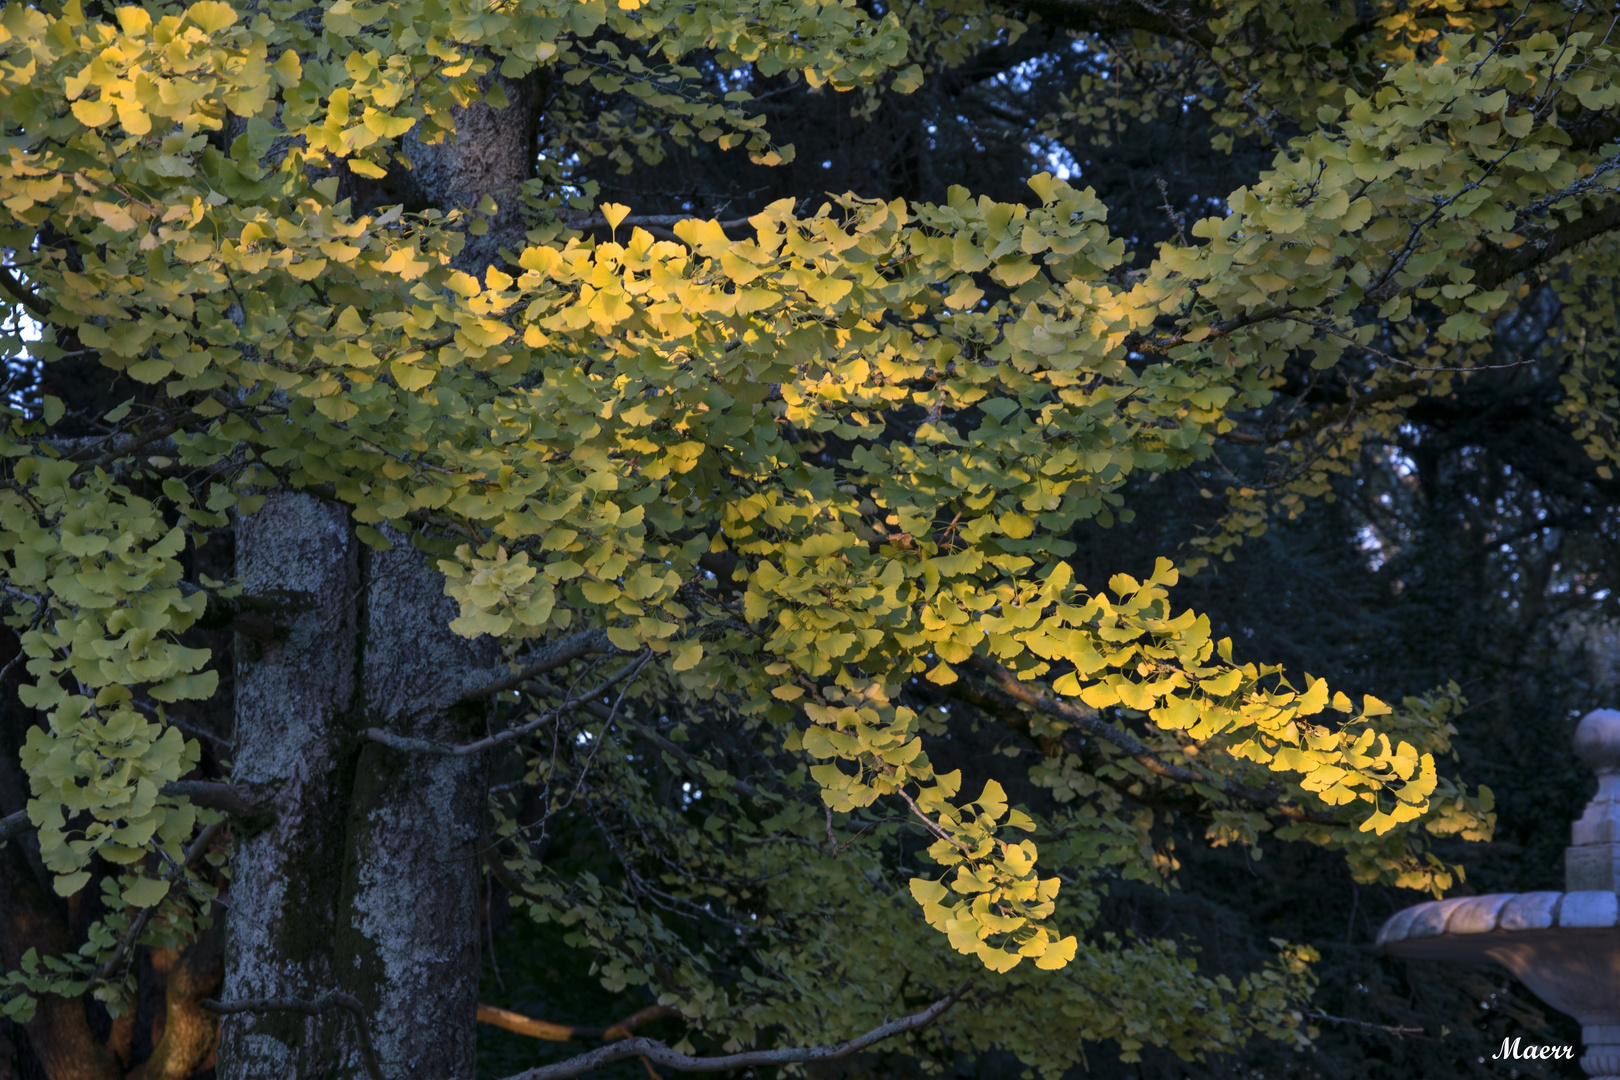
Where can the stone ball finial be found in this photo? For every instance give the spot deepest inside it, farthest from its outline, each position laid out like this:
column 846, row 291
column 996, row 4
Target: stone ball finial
column 1597, row 740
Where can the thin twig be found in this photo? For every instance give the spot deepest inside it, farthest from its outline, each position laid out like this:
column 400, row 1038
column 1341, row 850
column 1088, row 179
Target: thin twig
column 133, row 935
column 1178, row 220
column 693, row 766
column 1349, row 339
column 929, row 823
column 1388, row 1029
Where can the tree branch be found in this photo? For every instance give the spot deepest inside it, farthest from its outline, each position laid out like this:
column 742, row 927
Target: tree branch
column 1112, row 16
column 257, row 617
column 1328, row 417
column 660, row 1054
column 693, row 765
column 14, row 825
column 544, row 1029
column 238, row 800
column 1498, row 264
column 368, row 1053
column 571, row 648
column 1400, row 1031
column 23, row 296
column 485, row 683
column 100, row 451
column 426, row 746
column 1028, row 695
column 1095, row 727
column 133, row 935
column 652, row 221
column 189, row 1032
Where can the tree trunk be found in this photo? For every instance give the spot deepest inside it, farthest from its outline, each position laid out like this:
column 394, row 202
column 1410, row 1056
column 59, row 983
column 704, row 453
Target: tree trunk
column 295, row 734
column 408, row 935
column 59, row 1035
column 366, row 878
column 492, row 153
column 32, row 916
column 187, row 1033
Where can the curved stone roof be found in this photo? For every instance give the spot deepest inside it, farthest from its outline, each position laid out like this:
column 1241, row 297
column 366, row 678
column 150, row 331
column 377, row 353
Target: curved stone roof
column 1501, row 913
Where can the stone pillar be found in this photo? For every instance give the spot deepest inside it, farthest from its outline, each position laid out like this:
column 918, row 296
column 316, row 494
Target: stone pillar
column 1602, row 1058
column 1592, row 861
column 1564, row 946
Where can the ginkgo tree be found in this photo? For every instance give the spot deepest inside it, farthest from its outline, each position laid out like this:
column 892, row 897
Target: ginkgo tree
column 531, row 502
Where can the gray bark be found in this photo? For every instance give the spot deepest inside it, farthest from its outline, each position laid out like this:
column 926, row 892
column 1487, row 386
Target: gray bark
column 363, row 874
column 294, row 737
column 492, row 153
column 408, row 937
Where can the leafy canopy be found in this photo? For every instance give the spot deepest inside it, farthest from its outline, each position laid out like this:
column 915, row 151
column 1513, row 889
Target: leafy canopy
column 880, row 420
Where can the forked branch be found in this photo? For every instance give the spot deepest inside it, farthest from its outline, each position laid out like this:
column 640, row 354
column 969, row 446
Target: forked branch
column 661, row 1054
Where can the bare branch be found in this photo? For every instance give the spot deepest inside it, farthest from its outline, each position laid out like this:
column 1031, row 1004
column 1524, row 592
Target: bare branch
column 544, row 1029
column 368, row 1053
column 426, row 746
column 661, row 1054
column 571, row 648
